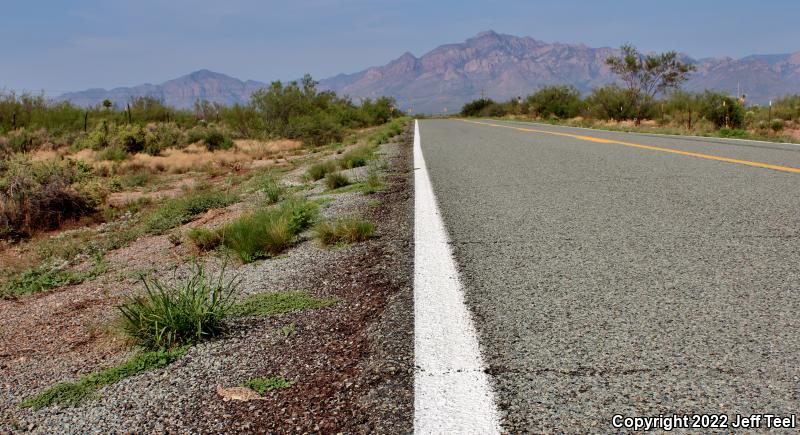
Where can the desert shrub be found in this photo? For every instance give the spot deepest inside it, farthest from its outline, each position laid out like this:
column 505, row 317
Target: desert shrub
column 130, row 137
column 317, row 128
column 611, row 102
column 136, row 178
column 24, row 140
column 178, row 211
column 268, row 231
column 345, row 230
column 204, row 239
column 166, row 316
column 40, row 195
column 318, row 171
column 477, row 107
column 555, row 101
column 721, row 109
column 211, row 137
column 97, row 139
column 113, row 153
column 335, row 180
column 777, row 125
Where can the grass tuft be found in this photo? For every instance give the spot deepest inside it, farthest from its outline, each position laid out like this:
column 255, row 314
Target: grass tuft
column 356, row 157
column 178, row 211
column 204, row 239
column 336, row 180
column 72, row 393
column 268, row 232
column 343, row 231
column 318, row 171
column 264, row 385
column 166, row 316
column 266, row 304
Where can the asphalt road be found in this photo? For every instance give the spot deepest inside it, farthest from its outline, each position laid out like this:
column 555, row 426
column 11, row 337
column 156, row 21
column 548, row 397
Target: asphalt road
column 613, row 279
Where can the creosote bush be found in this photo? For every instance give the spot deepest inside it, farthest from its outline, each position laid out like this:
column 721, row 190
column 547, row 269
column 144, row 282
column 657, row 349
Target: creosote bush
column 166, row 316
column 318, row 171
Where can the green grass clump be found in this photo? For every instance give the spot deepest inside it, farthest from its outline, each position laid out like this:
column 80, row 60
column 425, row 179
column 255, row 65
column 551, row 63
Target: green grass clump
column 269, row 231
column 732, row 132
column 356, row 157
column 72, row 393
column 273, row 190
column 178, row 211
column 336, row 180
column 267, row 304
column 263, row 385
column 47, row 277
column 204, row 239
column 165, row 316
column 373, row 184
column 318, row 171
column 345, row 230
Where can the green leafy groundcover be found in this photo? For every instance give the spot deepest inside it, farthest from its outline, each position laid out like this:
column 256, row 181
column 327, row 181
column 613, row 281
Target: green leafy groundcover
column 72, row 393
column 265, row 304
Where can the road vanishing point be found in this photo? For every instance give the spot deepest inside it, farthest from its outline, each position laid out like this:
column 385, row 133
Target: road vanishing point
column 610, row 273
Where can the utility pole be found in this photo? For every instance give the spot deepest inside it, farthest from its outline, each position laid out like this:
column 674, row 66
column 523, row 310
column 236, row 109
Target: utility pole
column 483, row 93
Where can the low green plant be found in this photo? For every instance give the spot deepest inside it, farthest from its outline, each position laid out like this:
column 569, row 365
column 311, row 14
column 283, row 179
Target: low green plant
column 72, row 393
column 204, row 239
column 268, row 231
column 335, row 180
column 732, row 132
column 273, row 190
column 777, row 125
column 373, row 183
column 356, row 157
column 47, row 277
column 166, row 316
column 178, row 211
column 268, row 304
column 344, row 230
column 318, row 171
column 264, row 385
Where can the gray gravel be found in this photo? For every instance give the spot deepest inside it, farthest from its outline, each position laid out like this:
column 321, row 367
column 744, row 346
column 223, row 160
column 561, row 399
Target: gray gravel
column 607, row 279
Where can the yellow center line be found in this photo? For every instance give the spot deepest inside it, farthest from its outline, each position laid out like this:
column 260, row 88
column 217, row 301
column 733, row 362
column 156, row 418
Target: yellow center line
column 647, row 147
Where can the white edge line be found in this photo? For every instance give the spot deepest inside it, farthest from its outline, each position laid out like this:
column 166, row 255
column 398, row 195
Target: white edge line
column 645, row 133
column 452, row 392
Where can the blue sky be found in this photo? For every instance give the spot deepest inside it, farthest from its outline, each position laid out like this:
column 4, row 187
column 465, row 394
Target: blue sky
column 62, row 46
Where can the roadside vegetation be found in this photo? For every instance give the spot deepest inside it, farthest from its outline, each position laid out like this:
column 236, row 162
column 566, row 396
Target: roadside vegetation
column 78, row 185
column 651, row 100
column 344, row 231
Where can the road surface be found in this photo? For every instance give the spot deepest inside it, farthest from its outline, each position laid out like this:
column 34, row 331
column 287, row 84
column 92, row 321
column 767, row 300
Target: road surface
column 613, row 273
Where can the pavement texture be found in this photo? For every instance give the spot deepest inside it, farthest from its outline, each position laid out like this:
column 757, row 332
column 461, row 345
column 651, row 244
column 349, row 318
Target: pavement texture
column 606, row 279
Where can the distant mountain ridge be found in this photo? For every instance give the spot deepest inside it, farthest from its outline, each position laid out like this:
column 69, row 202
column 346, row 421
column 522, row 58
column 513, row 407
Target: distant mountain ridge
column 181, row 92
column 496, row 65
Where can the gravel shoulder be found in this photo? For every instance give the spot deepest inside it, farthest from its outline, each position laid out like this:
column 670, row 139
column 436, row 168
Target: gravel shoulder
column 351, row 364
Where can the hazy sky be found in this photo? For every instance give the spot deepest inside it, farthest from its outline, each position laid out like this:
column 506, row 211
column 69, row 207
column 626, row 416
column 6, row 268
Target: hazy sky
column 59, row 45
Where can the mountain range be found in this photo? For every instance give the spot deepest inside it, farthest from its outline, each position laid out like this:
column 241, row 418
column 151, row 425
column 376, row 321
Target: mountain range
column 494, row 65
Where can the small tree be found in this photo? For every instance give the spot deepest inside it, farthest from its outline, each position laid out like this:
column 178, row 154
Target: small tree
column 646, row 76
column 107, row 104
